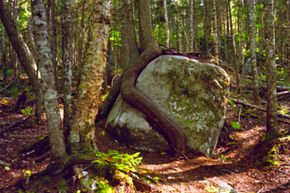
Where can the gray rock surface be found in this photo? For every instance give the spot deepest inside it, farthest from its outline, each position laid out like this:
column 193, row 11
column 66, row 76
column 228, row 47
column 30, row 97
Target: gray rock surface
column 190, row 92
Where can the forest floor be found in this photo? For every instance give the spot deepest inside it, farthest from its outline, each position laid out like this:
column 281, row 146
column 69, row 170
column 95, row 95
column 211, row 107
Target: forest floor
column 239, row 160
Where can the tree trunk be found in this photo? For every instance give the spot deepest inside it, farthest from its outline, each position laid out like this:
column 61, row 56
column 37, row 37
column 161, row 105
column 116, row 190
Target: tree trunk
column 195, row 25
column 53, row 35
column 3, row 56
column 189, row 26
column 240, row 43
column 145, row 25
column 48, row 86
column 130, row 50
column 216, row 41
column 272, row 129
column 82, row 136
column 252, row 47
column 23, row 53
column 167, row 31
column 67, row 61
column 207, row 25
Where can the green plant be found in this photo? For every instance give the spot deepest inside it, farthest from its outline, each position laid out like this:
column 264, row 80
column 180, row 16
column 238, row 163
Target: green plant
column 271, row 157
column 114, row 160
column 99, row 185
column 211, row 189
column 62, row 186
column 236, row 125
column 28, row 111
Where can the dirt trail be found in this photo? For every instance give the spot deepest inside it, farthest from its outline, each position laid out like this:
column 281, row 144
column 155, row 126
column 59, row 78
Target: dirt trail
column 235, row 165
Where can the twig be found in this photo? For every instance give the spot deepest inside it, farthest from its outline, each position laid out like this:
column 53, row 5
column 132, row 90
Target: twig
column 6, row 86
column 280, row 115
column 3, row 163
column 15, row 123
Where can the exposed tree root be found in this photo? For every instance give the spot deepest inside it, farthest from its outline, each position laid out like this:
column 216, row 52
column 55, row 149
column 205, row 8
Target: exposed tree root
column 154, row 115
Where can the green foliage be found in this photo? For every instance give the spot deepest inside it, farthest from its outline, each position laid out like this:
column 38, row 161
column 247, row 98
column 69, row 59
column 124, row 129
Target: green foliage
column 24, row 14
column 236, row 125
column 211, row 189
column 14, row 90
column 284, row 110
column 99, row 185
column 104, row 187
column 62, row 186
column 271, row 157
column 28, row 111
column 115, row 38
column 114, row 160
column 223, row 157
column 283, row 76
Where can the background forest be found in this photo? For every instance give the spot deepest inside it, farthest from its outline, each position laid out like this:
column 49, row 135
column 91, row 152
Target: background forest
column 65, row 61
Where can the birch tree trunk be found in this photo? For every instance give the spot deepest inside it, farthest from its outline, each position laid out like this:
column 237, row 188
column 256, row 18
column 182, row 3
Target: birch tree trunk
column 48, row 86
column 82, row 136
column 272, row 129
column 252, row 47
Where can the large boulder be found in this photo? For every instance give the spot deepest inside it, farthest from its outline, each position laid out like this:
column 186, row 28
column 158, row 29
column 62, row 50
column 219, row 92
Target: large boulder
column 190, row 92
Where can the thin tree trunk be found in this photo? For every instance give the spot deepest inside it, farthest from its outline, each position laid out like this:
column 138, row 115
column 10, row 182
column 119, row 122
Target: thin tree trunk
column 252, row 47
column 195, row 25
column 207, row 25
column 240, row 43
column 67, row 61
column 271, row 79
column 167, row 31
column 48, row 86
column 215, row 31
column 287, row 49
column 3, row 56
column 189, row 26
column 82, row 136
column 80, row 52
column 53, row 35
column 23, row 53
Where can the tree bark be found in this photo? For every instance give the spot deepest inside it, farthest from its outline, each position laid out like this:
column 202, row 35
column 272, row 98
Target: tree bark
column 189, row 26
column 252, row 47
column 67, row 61
column 271, row 78
column 167, row 30
column 23, row 53
column 53, row 35
column 130, row 50
column 207, row 26
column 145, row 25
column 195, row 25
column 82, row 136
column 48, row 86
column 216, row 41
column 240, row 43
